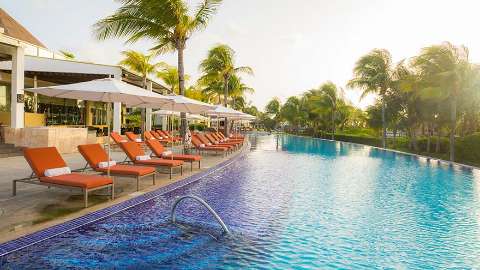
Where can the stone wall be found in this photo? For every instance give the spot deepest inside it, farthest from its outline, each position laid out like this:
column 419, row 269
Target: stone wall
column 65, row 139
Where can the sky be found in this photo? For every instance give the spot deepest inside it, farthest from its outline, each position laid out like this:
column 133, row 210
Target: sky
column 292, row 45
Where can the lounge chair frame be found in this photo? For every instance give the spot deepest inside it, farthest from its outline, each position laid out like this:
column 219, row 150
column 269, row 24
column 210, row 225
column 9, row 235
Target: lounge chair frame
column 137, row 177
column 34, row 180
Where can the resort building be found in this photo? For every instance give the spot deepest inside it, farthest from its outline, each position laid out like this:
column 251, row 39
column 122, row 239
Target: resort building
column 25, row 62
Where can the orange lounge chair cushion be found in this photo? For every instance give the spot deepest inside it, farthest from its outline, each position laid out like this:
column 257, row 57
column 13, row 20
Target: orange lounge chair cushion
column 160, row 162
column 197, row 144
column 131, row 136
column 93, row 153
column 78, row 180
column 116, row 137
column 206, row 142
column 128, row 170
column 158, row 149
column 43, row 158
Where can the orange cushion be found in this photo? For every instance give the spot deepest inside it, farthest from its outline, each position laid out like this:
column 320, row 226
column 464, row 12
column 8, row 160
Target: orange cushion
column 160, row 162
column 128, row 170
column 156, row 147
column 131, row 136
column 116, row 137
column 93, row 153
column 78, row 180
column 43, row 158
column 185, row 157
column 132, row 149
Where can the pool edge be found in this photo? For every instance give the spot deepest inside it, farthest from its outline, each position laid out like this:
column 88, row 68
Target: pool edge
column 439, row 160
column 58, row 229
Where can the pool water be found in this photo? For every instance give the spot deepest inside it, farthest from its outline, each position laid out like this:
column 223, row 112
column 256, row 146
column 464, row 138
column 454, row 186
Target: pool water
column 306, row 204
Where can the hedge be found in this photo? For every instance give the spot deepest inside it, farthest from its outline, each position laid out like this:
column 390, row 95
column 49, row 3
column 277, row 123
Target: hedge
column 467, row 149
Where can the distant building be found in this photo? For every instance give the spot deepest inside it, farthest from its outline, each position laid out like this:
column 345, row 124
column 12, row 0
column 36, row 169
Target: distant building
column 25, row 62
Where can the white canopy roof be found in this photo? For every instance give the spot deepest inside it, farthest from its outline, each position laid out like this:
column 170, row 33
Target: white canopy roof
column 106, row 90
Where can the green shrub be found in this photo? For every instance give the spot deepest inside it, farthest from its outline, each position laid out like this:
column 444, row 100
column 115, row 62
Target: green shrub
column 467, row 149
column 198, row 127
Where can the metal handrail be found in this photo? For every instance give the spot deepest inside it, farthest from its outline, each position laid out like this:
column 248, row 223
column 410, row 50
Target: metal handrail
column 214, row 214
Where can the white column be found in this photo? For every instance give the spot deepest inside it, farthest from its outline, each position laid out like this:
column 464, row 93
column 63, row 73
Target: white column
column 148, row 111
column 117, row 117
column 18, row 83
column 164, row 123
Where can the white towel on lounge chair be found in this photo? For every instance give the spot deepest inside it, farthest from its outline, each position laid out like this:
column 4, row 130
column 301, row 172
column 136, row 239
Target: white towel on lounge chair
column 57, row 171
column 166, row 153
column 106, row 164
column 139, row 158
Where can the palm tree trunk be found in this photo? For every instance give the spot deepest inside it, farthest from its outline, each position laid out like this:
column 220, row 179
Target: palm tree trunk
column 429, row 135
column 437, row 145
column 225, row 103
column 453, row 123
column 181, row 88
column 384, row 126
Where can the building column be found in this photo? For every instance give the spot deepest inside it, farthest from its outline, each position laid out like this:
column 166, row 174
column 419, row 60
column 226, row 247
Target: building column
column 148, row 111
column 117, row 117
column 18, row 84
column 117, row 109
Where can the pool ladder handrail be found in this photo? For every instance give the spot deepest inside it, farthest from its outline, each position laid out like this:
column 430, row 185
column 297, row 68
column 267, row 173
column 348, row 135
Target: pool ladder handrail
column 205, row 204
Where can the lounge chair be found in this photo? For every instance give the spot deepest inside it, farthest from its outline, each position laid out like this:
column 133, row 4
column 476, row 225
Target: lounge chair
column 47, row 161
column 214, row 141
column 138, row 157
column 95, row 155
column 117, row 138
column 205, row 141
column 168, row 136
column 160, row 137
column 133, row 137
column 202, row 147
column 230, row 138
column 159, row 151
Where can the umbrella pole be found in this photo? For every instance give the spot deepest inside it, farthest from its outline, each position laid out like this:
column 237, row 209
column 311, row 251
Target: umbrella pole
column 108, row 137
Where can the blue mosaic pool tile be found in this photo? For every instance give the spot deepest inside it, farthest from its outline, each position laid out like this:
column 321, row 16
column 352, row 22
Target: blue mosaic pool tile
column 28, row 240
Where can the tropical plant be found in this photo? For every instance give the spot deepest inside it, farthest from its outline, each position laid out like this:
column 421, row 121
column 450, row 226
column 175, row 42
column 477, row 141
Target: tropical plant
column 447, row 71
column 139, row 63
column 67, row 55
column 373, row 74
column 169, row 75
column 169, row 23
column 219, row 67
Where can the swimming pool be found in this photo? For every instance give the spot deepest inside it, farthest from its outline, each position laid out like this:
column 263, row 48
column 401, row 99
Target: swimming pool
column 309, row 204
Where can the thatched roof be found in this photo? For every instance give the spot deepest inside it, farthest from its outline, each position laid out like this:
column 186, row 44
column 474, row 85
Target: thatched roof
column 14, row 29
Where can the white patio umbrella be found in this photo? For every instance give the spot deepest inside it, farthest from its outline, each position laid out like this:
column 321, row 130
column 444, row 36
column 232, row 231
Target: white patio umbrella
column 189, row 115
column 188, row 105
column 106, row 90
column 221, row 111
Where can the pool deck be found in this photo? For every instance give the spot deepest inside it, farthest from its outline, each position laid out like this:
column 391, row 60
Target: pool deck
column 24, row 213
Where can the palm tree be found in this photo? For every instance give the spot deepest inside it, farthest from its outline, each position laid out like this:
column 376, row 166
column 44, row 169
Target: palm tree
column 139, row 63
column 169, row 75
column 448, row 72
column 329, row 89
column 168, row 23
column 219, row 66
column 68, row 55
column 373, row 74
